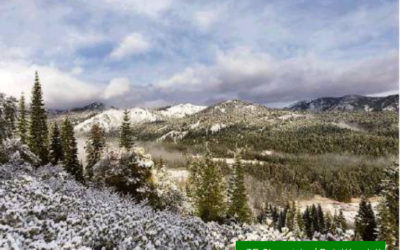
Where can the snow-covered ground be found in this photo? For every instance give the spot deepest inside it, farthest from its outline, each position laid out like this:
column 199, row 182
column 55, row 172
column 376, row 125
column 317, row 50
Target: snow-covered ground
column 174, row 135
column 231, row 161
column 180, row 175
column 46, row 209
column 346, row 125
column 291, row 116
column 217, row 127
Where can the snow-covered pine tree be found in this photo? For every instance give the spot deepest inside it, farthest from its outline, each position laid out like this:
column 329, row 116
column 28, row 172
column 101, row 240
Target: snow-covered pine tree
column 238, row 206
column 38, row 131
column 7, row 115
column 386, row 230
column 69, row 146
column 169, row 196
column 193, row 184
column 7, row 109
column 22, row 124
column 10, row 115
column 94, row 148
column 365, row 221
column 56, row 150
column 212, row 202
column 125, row 133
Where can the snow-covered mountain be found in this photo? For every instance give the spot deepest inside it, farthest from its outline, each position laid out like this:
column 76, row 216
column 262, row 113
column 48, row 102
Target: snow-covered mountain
column 181, row 110
column 111, row 119
column 349, row 103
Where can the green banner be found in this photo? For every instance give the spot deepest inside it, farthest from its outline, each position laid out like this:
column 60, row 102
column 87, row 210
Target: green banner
column 310, row 245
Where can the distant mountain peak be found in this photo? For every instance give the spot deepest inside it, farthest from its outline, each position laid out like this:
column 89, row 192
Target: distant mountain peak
column 348, row 103
column 95, row 106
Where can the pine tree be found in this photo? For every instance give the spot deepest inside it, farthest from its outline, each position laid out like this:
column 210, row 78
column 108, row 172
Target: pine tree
column 269, row 211
column 282, row 220
column 290, row 217
column 340, row 221
column 308, row 224
column 193, row 184
column 238, row 206
column 69, row 146
column 231, row 190
column 386, row 230
column 299, row 225
column 10, row 115
column 22, row 125
column 390, row 192
column 7, row 117
column 212, row 204
column 125, row 134
column 275, row 217
column 94, row 148
column 321, row 219
column 315, row 220
column 365, row 221
column 38, row 131
column 56, row 150
column 329, row 224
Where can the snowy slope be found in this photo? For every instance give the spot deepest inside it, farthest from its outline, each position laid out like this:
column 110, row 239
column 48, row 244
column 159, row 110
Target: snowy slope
column 45, row 208
column 112, row 119
column 182, row 110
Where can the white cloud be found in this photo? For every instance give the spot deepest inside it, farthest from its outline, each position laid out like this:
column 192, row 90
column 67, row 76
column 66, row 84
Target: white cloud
column 133, row 44
column 60, row 89
column 206, row 18
column 150, row 8
column 117, row 87
column 76, row 71
column 258, row 77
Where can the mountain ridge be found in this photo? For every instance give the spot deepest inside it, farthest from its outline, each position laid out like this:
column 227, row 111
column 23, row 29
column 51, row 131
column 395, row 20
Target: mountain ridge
column 348, row 103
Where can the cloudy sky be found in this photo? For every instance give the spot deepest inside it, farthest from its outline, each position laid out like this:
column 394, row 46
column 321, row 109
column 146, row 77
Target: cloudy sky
column 159, row 52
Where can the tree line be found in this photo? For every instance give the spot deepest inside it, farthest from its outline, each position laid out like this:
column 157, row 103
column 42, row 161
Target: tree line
column 311, row 139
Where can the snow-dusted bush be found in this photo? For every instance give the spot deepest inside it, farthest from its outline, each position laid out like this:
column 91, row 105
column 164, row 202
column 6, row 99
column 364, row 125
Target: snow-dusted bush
column 168, row 194
column 46, row 208
column 17, row 153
